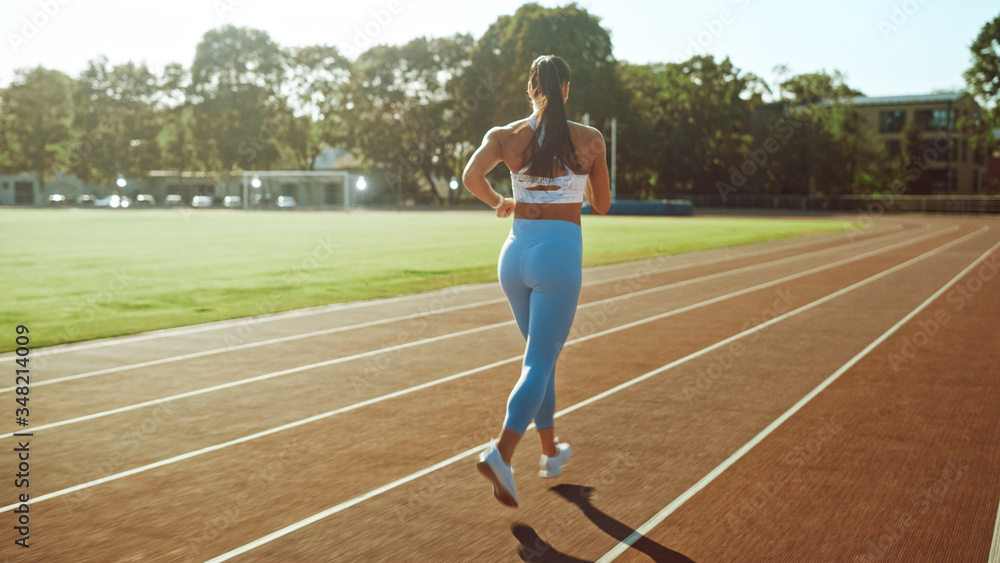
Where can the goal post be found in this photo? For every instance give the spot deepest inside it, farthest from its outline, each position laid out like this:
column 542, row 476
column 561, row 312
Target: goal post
column 310, row 188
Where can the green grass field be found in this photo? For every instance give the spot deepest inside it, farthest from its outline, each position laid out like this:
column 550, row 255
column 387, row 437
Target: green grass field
column 74, row 275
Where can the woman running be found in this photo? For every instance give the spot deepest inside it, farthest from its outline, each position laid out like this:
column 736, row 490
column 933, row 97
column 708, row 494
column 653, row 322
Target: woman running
column 558, row 162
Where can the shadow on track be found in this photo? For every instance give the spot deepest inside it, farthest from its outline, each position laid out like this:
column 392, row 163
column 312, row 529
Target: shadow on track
column 534, row 549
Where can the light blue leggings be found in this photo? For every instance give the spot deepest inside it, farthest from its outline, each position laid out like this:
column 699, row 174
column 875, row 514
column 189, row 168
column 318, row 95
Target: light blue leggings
column 540, row 271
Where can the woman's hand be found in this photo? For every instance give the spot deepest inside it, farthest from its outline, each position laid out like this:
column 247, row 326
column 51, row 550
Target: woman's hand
column 507, row 208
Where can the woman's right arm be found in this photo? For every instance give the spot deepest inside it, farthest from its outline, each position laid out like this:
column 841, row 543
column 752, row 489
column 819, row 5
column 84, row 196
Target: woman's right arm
column 485, row 159
column 599, row 181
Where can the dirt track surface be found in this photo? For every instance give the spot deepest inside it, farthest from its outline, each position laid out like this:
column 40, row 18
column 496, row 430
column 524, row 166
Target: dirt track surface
column 830, row 398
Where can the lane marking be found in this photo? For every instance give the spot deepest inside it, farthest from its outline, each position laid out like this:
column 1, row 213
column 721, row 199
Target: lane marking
column 641, row 531
column 344, row 359
column 472, row 451
column 411, row 316
column 229, row 323
column 995, row 548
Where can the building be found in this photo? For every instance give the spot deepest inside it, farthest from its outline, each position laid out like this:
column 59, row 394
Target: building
column 26, row 190
column 945, row 123
column 308, row 188
column 993, row 166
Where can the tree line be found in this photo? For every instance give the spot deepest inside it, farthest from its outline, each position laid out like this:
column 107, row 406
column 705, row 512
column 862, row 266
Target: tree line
column 413, row 113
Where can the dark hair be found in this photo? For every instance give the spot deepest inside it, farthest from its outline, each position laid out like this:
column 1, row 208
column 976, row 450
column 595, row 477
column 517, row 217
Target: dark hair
column 546, row 78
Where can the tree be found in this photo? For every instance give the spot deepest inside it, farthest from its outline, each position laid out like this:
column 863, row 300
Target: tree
column 401, row 115
column 176, row 140
column 689, row 122
column 637, row 176
column 496, row 83
column 911, row 153
column 236, row 82
column 983, row 79
column 319, row 77
column 834, row 143
column 984, row 75
column 38, row 127
column 815, row 87
column 117, row 121
column 6, row 165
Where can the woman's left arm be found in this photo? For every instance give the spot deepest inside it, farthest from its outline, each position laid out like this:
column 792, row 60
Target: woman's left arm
column 485, row 159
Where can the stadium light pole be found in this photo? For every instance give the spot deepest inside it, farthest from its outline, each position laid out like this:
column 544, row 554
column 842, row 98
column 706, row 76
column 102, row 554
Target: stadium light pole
column 361, row 184
column 453, row 184
column 255, row 184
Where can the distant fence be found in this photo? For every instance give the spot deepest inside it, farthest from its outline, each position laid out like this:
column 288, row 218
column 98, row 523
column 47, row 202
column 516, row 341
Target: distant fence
column 666, row 207
column 888, row 203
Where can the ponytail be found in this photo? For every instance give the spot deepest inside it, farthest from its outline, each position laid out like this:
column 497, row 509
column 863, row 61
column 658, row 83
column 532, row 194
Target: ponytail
column 547, row 76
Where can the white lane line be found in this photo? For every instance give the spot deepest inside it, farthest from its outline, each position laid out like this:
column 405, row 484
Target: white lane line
column 220, row 325
column 468, row 453
column 266, row 376
column 371, row 401
column 268, row 342
column 622, row 546
column 995, row 547
column 322, row 309
column 379, row 322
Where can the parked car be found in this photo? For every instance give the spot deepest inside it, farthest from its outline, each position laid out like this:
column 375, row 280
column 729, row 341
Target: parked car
column 144, row 200
column 232, row 201
column 173, row 200
column 285, row 202
column 202, row 201
column 113, row 201
column 57, row 200
column 85, row 200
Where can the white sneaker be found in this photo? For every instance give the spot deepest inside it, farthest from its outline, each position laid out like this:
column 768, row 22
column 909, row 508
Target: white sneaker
column 499, row 473
column 552, row 466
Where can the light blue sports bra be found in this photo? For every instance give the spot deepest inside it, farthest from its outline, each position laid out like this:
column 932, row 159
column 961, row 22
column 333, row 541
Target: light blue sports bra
column 571, row 188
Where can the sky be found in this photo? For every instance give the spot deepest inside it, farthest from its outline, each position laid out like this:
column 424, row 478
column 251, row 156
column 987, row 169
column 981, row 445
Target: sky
column 884, row 47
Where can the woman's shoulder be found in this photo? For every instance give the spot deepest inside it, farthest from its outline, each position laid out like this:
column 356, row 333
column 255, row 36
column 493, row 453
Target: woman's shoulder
column 584, row 129
column 517, row 126
column 586, row 134
column 511, row 129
